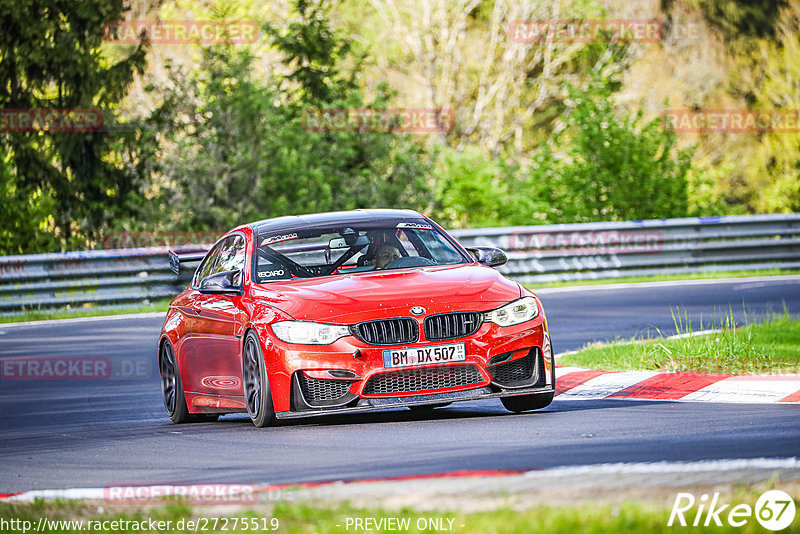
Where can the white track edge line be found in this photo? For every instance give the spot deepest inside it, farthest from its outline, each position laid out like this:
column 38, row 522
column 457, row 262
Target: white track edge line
column 85, row 319
column 664, row 283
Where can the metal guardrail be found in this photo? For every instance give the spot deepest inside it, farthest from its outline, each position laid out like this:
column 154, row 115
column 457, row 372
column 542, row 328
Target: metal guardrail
column 542, row 254
column 537, row 254
column 106, row 278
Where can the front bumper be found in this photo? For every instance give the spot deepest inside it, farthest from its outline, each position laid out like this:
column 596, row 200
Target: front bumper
column 509, row 376
column 365, row 405
column 491, row 345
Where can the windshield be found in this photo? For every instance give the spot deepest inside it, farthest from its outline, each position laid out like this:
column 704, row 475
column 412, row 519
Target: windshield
column 376, row 246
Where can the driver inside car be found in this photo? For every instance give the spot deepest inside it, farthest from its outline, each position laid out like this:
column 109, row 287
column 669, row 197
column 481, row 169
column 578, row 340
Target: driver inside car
column 385, row 255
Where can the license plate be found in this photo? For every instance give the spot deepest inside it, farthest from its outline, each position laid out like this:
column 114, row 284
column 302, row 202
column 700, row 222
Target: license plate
column 424, row 355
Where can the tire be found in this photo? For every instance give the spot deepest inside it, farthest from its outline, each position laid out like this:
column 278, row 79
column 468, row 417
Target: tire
column 172, row 386
column 524, row 403
column 172, row 390
column 257, row 395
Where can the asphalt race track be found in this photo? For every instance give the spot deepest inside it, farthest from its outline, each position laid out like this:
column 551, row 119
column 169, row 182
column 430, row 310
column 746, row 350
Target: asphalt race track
column 94, row 433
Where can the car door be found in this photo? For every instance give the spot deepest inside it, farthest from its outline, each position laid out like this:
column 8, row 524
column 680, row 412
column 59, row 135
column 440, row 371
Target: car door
column 213, row 364
column 190, row 308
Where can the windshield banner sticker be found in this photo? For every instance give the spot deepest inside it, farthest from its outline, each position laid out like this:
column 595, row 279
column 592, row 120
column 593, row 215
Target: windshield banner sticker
column 420, row 226
column 278, row 238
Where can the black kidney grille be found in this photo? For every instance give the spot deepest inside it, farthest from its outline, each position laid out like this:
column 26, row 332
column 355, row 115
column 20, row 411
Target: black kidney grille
column 316, row 390
column 515, row 372
column 387, row 331
column 452, row 325
column 408, row 380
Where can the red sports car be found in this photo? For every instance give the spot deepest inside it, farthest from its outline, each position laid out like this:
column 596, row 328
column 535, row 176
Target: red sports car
column 349, row 312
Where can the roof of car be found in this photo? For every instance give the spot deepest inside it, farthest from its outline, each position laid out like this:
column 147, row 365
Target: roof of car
column 297, row 222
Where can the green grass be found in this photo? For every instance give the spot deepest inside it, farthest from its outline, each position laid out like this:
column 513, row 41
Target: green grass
column 301, row 518
column 664, row 278
column 770, row 346
column 160, row 305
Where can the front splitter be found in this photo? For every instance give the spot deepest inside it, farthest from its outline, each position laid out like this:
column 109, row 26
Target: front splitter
column 377, row 404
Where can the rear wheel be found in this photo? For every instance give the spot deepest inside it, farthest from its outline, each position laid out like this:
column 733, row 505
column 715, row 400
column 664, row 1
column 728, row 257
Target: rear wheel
column 524, row 403
column 172, row 390
column 256, row 385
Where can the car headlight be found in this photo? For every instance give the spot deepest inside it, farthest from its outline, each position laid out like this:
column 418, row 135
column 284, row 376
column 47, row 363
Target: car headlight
column 308, row 333
column 516, row 312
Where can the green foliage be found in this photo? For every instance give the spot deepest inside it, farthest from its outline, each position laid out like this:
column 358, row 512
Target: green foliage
column 740, row 19
column 23, row 211
column 704, row 195
column 470, row 189
column 313, row 51
column 227, row 141
column 610, row 167
column 238, row 149
column 60, row 183
column 776, row 163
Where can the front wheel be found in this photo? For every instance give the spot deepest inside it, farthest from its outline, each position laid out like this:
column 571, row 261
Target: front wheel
column 256, row 385
column 524, row 403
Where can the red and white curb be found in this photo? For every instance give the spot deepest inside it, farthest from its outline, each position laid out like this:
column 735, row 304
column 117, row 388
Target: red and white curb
column 573, row 383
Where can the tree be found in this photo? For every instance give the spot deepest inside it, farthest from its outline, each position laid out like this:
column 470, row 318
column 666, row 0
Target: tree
column 238, row 148
column 739, row 19
column 479, row 59
column 609, row 167
column 775, row 169
column 50, row 58
column 471, row 189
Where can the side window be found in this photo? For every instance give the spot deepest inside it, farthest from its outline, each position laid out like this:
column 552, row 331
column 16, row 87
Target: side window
column 231, row 257
column 206, row 267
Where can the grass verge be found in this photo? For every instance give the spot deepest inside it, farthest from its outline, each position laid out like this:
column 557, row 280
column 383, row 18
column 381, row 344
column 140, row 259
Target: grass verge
column 770, row 346
column 160, row 305
column 628, row 516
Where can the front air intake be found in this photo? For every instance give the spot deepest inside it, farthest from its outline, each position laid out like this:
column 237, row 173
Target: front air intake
column 317, row 391
column 525, row 371
column 387, row 331
column 452, row 325
column 425, row 379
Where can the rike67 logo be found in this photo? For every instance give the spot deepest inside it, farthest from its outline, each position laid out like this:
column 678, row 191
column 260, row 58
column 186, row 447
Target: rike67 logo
column 774, row 510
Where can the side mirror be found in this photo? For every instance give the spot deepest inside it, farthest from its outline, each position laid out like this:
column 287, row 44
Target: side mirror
column 224, row 282
column 489, row 256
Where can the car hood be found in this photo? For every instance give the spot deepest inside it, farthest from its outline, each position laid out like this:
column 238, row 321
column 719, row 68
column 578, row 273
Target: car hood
column 363, row 296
